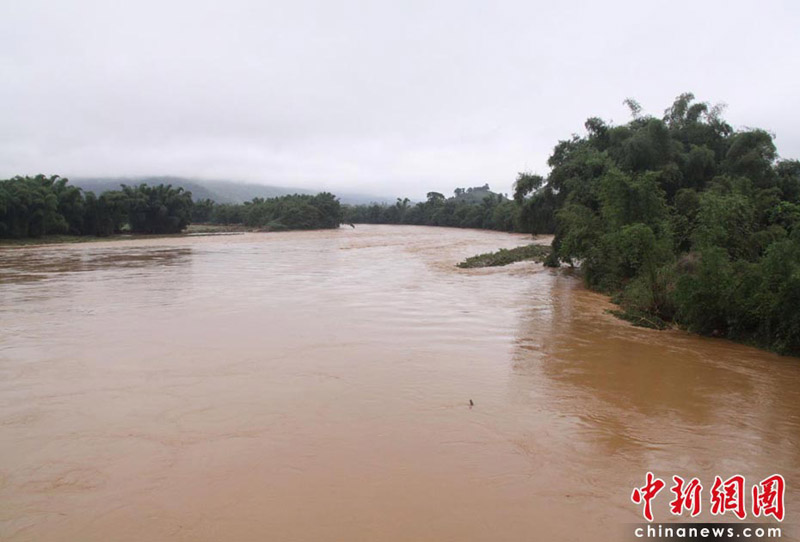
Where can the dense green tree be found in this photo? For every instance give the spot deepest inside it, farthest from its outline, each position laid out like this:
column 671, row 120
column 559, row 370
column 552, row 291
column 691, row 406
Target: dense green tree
column 30, row 206
column 293, row 212
column 38, row 206
column 682, row 218
column 107, row 214
column 158, row 209
column 70, row 206
column 202, row 211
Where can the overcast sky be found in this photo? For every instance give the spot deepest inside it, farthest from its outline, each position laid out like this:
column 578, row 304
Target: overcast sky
column 394, row 98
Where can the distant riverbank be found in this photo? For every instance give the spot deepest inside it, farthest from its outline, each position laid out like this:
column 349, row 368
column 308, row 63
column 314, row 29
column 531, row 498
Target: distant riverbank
column 192, row 229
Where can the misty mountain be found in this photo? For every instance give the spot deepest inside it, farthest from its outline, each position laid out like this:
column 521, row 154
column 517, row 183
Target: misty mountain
column 219, row 191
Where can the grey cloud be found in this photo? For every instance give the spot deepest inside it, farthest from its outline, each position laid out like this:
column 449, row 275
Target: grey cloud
column 384, row 97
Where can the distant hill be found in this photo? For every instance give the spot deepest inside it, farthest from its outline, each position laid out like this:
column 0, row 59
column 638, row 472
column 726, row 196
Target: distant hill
column 218, row 191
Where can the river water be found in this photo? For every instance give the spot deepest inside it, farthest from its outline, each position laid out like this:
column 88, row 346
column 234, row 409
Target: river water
column 311, row 386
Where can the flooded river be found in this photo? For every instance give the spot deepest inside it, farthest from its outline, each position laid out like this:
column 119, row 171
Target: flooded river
column 313, row 386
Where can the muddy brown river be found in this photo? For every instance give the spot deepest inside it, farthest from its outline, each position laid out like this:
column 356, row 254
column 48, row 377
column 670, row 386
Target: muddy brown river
column 314, row 386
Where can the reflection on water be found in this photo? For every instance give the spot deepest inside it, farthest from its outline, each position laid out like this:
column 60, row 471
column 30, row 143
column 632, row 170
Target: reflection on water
column 315, row 386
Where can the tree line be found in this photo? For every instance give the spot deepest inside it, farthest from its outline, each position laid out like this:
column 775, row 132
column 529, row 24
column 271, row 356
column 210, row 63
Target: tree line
column 476, row 207
column 290, row 212
column 39, row 206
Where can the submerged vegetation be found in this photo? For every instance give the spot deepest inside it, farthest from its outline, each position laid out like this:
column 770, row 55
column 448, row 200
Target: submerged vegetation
column 505, row 256
column 51, row 208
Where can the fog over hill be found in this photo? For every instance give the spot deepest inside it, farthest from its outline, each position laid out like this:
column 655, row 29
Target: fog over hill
column 220, row 191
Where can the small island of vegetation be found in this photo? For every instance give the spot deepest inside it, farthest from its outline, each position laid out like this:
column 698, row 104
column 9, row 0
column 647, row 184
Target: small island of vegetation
column 504, row 256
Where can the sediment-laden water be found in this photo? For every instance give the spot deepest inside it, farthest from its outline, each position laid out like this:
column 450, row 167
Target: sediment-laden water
column 312, row 386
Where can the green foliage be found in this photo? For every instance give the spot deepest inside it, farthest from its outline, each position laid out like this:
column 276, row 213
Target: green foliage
column 39, row 206
column 29, row 207
column 751, row 154
column 107, row 214
column 32, row 207
column 202, row 210
column 507, row 256
column 626, row 199
column 725, row 220
column 476, row 207
column 292, row 212
column 683, row 219
column 788, row 173
column 158, row 209
column 526, row 184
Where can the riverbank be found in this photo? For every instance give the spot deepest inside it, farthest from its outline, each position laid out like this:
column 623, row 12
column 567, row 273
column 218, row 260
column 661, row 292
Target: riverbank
column 191, row 230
